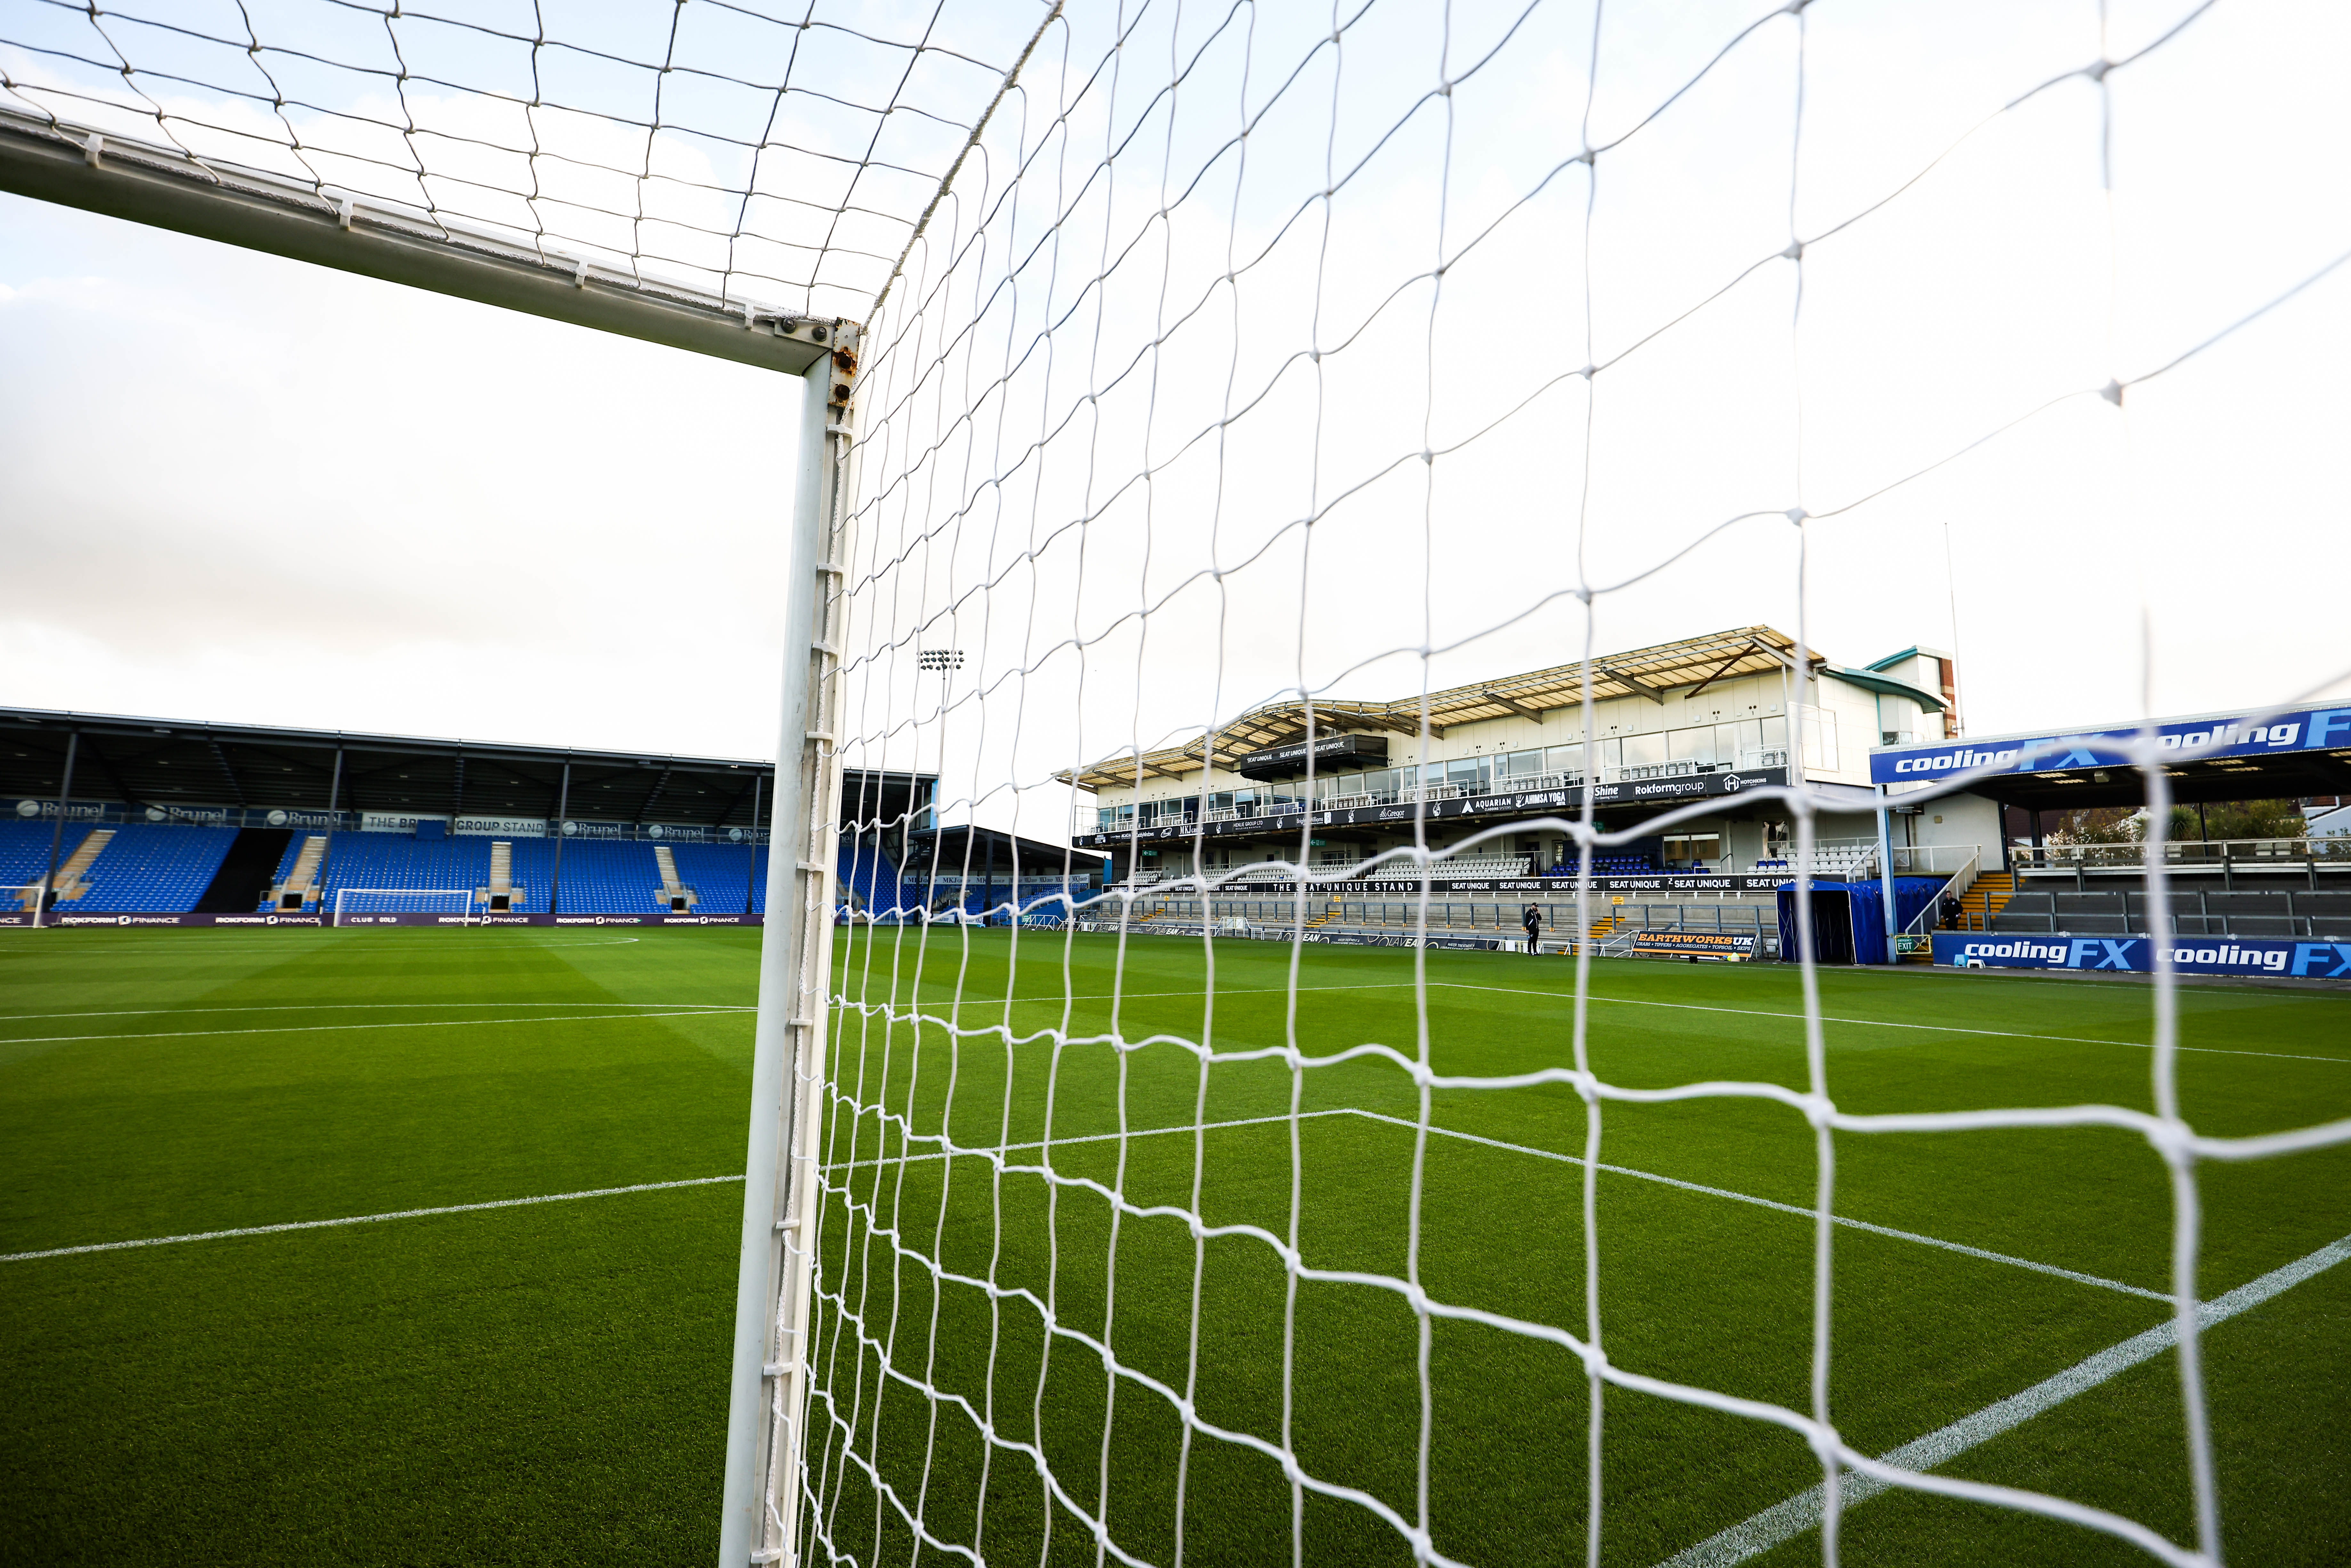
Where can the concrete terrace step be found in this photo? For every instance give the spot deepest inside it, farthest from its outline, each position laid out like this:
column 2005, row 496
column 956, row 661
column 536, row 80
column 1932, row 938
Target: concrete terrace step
column 674, row 889
column 68, row 882
column 304, row 877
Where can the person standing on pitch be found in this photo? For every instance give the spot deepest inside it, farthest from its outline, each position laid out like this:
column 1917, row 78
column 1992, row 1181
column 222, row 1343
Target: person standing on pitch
column 1533, row 921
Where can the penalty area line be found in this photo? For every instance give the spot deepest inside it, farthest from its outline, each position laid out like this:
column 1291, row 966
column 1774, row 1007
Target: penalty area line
column 1756, row 1535
column 1796, row 1209
column 365, row 1218
column 1406, row 1122
column 351, row 1006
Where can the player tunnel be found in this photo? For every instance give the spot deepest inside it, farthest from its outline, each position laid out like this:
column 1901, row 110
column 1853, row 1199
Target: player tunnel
column 1849, row 917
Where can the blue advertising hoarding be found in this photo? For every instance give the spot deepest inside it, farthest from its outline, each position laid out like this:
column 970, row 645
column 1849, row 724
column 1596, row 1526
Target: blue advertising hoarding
column 2182, row 740
column 2135, row 955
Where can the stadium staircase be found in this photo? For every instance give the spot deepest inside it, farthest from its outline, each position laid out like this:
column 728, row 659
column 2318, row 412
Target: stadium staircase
column 70, row 882
column 501, row 874
column 302, row 877
column 1605, row 926
column 674, row 893
column 1320, row 921
column 1985, row 898
column 1990, row 893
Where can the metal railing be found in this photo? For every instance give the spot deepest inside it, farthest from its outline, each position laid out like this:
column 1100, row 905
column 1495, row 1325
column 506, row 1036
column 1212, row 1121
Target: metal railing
column 1934, row 860
column 1929, row 918
column 1108, row 821
column 2214, row 853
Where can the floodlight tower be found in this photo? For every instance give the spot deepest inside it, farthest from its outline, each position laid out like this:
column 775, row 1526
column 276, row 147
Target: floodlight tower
column 946, row 661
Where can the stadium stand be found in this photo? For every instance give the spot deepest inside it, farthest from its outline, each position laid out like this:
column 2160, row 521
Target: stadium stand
column 719, row 874
column 1465, row 866
column 477, row 819
column 24, row 853
column 152, row 868
column 867, row 876
column 2285, row 912
column 1614, row 865
column 608, row 877
column 1466, row 917
column 136, row 866
column 395, row 859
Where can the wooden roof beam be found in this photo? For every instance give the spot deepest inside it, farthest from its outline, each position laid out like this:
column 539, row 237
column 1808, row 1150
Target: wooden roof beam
column 1721, row 670
column 1654, row 694
column 1517, row 707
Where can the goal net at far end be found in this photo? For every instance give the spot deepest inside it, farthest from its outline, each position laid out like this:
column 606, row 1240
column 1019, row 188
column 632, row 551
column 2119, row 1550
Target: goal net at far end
column 352, row 904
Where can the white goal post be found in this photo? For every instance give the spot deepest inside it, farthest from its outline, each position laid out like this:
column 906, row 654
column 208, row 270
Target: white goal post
column 461, row 902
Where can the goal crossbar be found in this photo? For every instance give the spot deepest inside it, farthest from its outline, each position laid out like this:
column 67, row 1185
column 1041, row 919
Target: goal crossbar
column 76, row 166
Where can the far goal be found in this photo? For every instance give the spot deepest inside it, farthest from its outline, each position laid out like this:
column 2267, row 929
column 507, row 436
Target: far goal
column 354, row 906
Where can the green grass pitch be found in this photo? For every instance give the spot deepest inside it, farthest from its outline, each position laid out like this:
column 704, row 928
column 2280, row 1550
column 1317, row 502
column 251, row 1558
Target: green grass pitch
column 545, row 1383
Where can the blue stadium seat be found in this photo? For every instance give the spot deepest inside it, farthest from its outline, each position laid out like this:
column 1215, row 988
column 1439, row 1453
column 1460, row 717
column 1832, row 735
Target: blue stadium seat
column 396, row 860
column 145, row 867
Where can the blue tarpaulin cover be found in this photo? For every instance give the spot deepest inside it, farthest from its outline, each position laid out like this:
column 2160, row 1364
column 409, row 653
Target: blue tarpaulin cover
column 1864, row 916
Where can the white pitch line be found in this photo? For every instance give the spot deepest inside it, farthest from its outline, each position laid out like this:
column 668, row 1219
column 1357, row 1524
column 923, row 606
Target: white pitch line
column 1130, row 996
column 316, row 1027
column 366, row 1218
column 1098, row 1137
column 1682, row 1007
column 1880, row 1023
column 1753, row 1537
column 1565, row 1159
column 1787, row 1208
column 351, row 1007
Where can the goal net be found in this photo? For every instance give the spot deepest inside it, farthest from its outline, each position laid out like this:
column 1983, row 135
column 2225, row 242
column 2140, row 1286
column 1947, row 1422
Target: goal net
column 1223, row 403
column 352, row 904
column 1267, row 386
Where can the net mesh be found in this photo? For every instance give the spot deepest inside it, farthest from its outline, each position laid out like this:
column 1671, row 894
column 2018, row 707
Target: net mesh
column 1236, row 326
column 769, row 155
column 1223, row 357
column 404, row 901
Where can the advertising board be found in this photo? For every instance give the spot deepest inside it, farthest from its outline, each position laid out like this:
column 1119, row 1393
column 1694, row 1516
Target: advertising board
column 2183, row 740
column 1715, row 947
column 2320, row 960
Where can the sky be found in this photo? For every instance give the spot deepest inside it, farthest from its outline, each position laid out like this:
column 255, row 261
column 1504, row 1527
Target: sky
column 242, row 489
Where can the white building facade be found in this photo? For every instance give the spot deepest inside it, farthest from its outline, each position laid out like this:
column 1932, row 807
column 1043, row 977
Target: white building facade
column 1485, row 773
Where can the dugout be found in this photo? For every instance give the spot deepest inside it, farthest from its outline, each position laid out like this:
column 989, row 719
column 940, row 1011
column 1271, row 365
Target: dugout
column 1849, row 917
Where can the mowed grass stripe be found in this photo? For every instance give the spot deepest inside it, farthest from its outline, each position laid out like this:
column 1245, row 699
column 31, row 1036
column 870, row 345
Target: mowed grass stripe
column 982, row 1152
column 336, row 1007
column 348, row 1028
column 966, row 1000
column 547, row 1382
